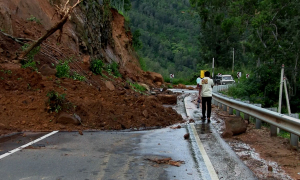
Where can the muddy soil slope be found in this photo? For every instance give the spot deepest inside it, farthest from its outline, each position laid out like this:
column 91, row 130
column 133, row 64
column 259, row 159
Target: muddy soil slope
column 100, row 102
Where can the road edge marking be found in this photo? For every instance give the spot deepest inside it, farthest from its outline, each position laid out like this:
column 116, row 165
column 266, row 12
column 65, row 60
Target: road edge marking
column 28, row 144
column 210, row 168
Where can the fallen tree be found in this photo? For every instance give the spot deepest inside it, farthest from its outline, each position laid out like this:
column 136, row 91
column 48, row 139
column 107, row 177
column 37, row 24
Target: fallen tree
column 64, row 15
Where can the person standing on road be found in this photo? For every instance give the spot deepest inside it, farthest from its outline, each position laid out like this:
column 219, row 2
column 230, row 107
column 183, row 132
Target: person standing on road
column 205, row 91
column 198, row 82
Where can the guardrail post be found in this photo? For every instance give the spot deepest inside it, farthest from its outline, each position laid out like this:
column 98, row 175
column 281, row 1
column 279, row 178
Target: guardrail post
column 224, row 107
column 257, row 121
column 273, row 129
column 294, row 138
column 230, row 111
column 220, row 105
column 237, row 113
column 246, row 117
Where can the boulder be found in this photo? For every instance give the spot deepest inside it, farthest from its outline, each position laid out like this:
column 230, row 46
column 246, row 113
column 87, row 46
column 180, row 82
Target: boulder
column 158, row 84
column 145, row 113
column 126, row 85
column 15, row 61
column 167, row 98
column 46, row 70
column 186, row 136
column 235, row 125
column 65, row 118
column 181, row 86
column 154, row 77
column 86, row 59
column 2, row 127
column 110, row 85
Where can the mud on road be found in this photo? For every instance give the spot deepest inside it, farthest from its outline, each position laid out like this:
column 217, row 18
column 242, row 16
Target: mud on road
column 268, row 157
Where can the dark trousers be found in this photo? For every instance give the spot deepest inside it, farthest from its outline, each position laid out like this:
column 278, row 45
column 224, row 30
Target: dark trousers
column 206, row 101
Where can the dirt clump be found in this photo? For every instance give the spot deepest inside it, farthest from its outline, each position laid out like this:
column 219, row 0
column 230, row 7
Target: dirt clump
column 23, row 97
column 166, row 161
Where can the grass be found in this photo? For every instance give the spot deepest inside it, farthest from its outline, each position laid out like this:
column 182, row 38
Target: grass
column 32, row 18
column 138, row 88
column 284, row 134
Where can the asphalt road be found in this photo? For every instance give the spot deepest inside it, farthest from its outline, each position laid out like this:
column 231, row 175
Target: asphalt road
column 123, row 155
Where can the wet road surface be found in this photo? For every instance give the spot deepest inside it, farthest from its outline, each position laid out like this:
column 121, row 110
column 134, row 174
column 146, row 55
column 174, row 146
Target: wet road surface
column 124, row 155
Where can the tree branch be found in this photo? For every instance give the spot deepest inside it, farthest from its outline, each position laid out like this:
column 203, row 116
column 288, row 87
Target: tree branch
column 261, row 39
column 57, row 26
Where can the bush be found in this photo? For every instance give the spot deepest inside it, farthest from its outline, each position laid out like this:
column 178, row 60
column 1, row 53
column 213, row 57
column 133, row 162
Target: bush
column 30, row 63
column 63, row 69
column 77, row 76
column 96, row 66
column 113, row 67
column 57, row 102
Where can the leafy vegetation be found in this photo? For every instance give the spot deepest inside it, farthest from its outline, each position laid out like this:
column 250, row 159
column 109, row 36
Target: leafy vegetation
column 63, row 70
column 138, row 88
column 113, row 68
column 121, row 5
column 96, row 66
column 30, row 63
column 78, row 77
column 57, row 102
column 264, row 35
column 168, row 32
column 136, row 43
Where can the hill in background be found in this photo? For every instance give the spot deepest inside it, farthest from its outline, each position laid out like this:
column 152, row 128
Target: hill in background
column 169, row 34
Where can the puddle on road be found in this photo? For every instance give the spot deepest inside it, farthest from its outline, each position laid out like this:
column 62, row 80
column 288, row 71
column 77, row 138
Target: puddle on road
column 203, row 128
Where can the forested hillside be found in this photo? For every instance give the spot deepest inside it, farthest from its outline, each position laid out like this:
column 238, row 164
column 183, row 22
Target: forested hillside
column 265, row 35
column 169, row 34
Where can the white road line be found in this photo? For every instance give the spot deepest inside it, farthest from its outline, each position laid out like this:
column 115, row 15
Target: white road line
column 210, row 168
column 28, row 144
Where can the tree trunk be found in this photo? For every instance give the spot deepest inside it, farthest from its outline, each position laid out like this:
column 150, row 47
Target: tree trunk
column 57, row 26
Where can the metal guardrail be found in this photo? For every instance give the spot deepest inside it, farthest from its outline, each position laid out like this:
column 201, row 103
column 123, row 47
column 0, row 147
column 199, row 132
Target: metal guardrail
column 288, row 123
column 282, row 121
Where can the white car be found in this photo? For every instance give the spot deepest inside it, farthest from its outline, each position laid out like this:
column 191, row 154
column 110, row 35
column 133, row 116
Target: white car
column 224, row 79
